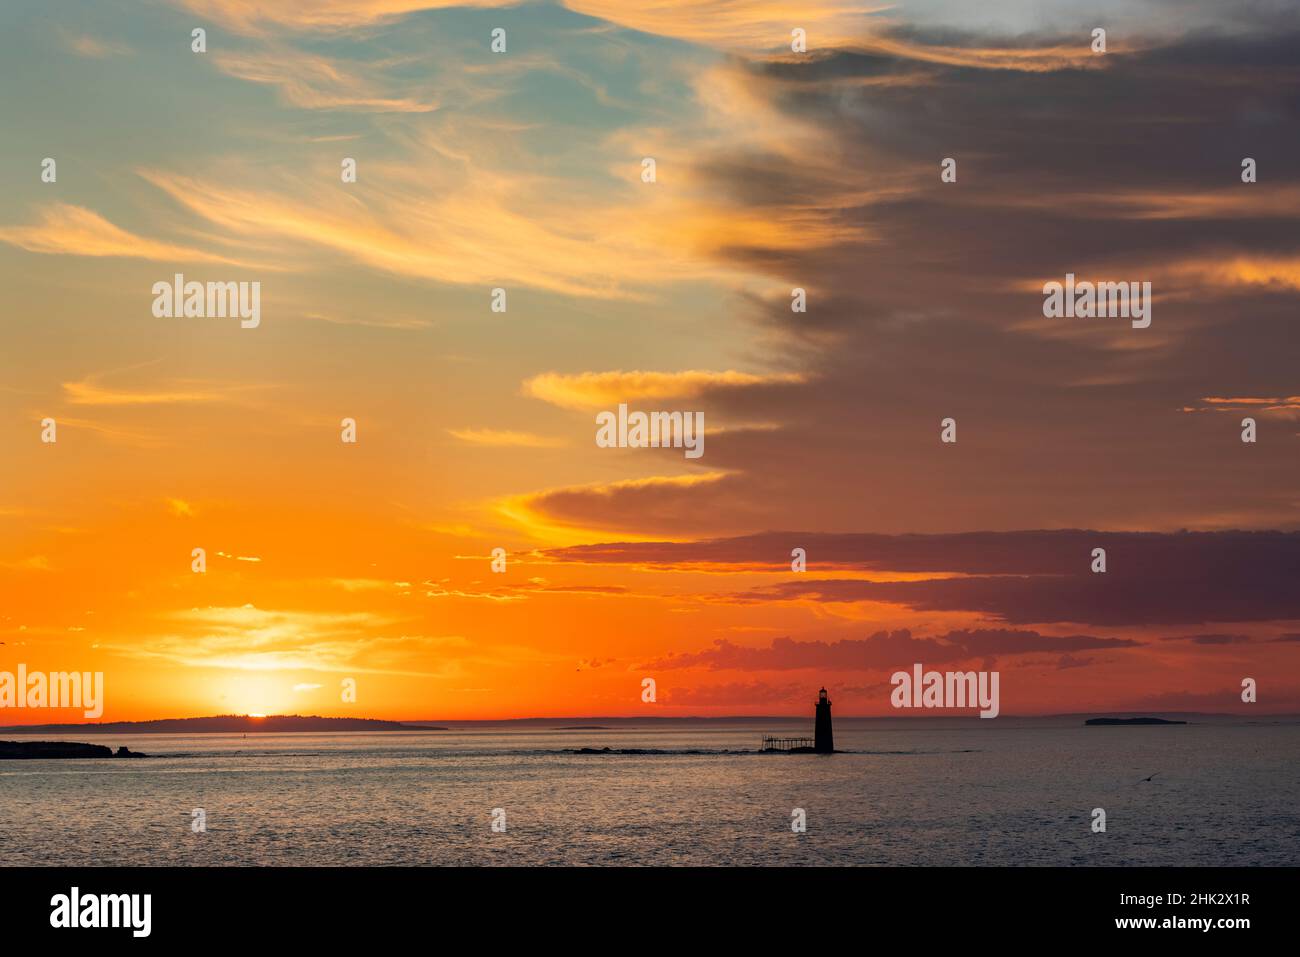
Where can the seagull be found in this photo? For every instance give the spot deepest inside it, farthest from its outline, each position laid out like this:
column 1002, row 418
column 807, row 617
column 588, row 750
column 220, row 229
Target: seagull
column 1144, row 780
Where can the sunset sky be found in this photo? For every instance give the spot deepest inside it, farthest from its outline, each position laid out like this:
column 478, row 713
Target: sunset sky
column 774, row 170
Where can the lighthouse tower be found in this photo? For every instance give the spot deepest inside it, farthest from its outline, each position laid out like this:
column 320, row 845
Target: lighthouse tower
column 825, row 740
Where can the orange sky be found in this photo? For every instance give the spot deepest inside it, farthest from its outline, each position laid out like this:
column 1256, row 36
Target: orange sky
column 522, row 171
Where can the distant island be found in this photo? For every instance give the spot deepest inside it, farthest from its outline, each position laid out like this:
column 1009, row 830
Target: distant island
column 46, row 750
column 1130, row 721
column 225, row 724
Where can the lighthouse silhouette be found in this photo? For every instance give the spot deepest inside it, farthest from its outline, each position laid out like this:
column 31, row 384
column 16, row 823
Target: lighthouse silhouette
column 824, row 742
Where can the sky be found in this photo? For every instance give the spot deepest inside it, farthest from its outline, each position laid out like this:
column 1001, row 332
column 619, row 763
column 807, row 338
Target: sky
column 371, row 561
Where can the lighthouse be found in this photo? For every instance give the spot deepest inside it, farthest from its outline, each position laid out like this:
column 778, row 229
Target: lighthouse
column 825, row 740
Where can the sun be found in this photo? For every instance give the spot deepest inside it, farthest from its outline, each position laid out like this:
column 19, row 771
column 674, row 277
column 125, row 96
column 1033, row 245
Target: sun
column 254, row 696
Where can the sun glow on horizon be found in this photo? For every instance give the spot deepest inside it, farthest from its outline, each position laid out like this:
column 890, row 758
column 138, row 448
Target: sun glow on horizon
column 253, row 696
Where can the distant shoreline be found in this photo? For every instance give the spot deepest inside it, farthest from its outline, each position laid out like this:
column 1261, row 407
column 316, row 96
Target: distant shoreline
column 227, row 724
column 289, row 724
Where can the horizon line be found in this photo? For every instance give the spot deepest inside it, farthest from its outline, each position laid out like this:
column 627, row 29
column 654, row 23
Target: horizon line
column 973, row 713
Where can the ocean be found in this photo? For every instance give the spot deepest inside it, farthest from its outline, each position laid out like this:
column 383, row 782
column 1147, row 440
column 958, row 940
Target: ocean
column 903, row 792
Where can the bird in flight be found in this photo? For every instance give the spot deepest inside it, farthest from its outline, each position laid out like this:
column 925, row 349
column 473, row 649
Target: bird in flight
column 1144, row 780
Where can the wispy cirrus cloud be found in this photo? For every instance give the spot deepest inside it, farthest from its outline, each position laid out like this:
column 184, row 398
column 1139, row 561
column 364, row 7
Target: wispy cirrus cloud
column 755, row 26
column 88, row 392
column 765, row 26
column 98, row 48
column 247, row 638
column 65, row 229
column 592, row 390
column 1032, row 56
column 1278, row 407
column 113, row 433
column 410, row 229
column 505, row 438
column 314, row 82
column 253, row 17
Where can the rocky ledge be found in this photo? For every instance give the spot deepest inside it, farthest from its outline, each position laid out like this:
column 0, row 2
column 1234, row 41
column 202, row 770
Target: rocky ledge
column 45, row 750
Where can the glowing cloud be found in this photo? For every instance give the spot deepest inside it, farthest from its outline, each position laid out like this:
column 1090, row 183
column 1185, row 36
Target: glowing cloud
column 591, row 390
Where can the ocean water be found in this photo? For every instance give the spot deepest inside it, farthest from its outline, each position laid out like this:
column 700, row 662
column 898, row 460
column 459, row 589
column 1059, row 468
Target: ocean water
column 904, row 792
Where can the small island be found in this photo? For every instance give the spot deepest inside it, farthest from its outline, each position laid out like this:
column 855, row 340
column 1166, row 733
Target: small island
column 1123, row 722
column 48, row 750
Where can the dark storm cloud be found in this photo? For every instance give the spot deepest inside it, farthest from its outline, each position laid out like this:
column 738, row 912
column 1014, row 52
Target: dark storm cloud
column 1054, row 167
column 1210, row 639
column 884, row 649
column 1045, row 161
column 1087, row 598
column 1120, row 125
column 1069, row 661
column 1045, row 552
column 1017, row 577
column 1123, row 169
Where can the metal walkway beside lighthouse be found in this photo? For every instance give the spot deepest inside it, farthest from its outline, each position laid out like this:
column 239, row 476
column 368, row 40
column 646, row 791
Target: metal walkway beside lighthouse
column 823, row 741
